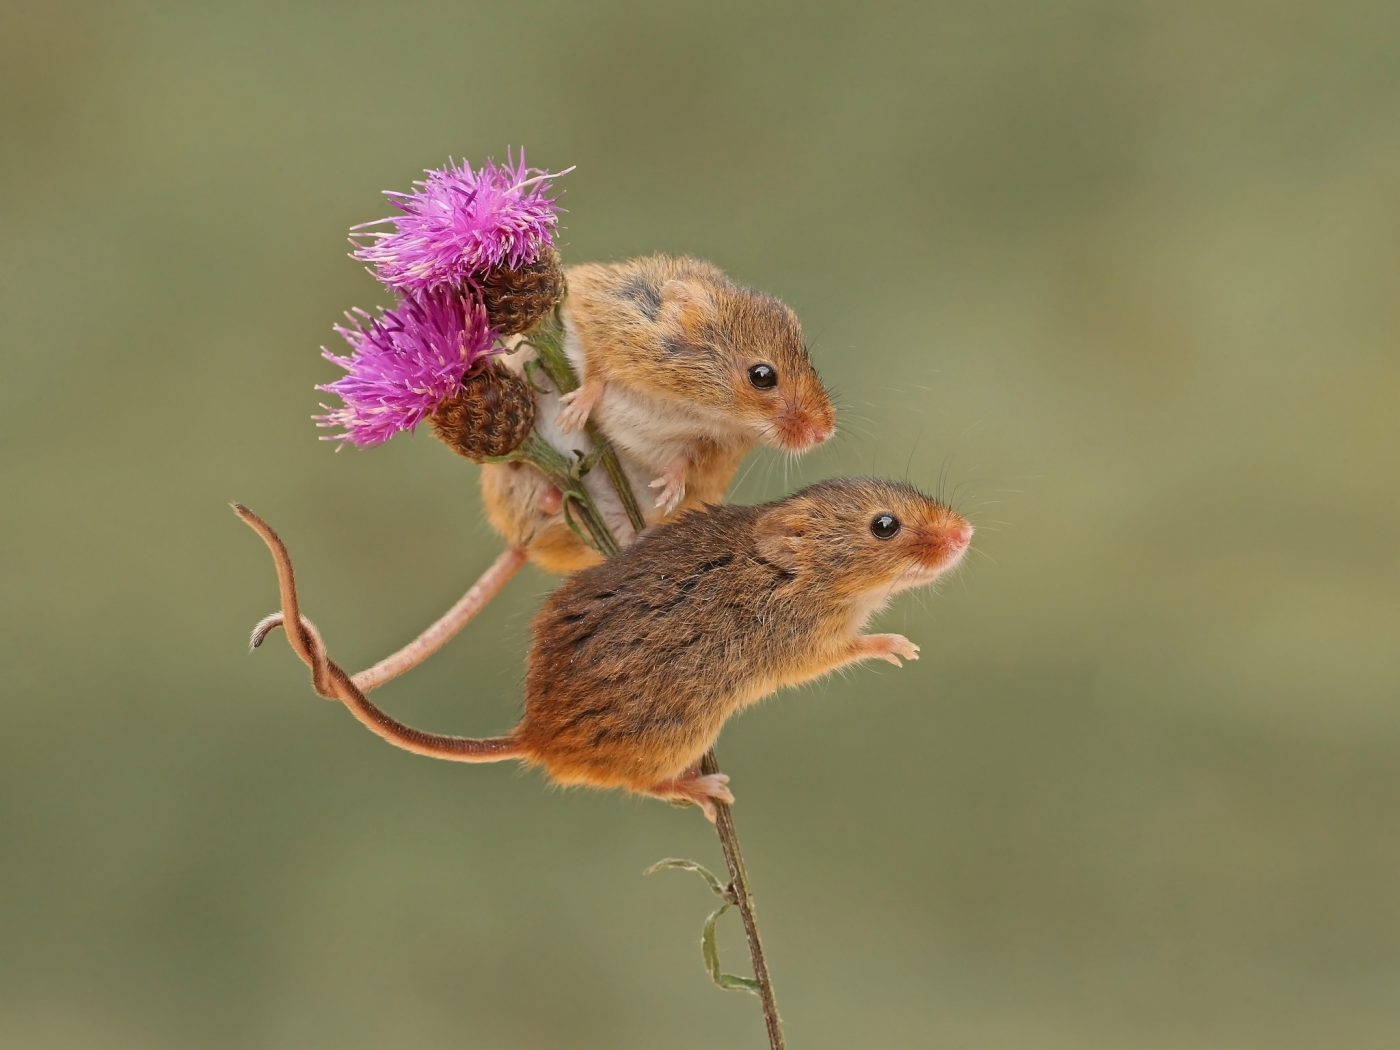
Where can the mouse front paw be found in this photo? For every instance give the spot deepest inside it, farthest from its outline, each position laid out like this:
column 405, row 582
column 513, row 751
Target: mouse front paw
column 575, row 406
column 889, row 647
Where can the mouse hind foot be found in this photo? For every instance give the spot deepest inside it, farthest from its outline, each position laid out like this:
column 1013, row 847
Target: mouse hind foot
column 703, row 789
column 672, row 484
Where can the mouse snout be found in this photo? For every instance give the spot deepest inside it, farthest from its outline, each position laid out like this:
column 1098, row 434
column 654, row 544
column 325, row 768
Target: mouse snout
column 943, row 543
column 801, row 434
column 800, row 427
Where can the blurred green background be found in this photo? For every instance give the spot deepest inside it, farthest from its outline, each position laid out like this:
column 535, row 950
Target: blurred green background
column 1126, row 272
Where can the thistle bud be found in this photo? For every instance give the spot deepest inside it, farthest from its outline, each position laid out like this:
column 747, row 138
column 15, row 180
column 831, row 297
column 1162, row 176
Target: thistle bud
column 516, row 298
column 490, row 416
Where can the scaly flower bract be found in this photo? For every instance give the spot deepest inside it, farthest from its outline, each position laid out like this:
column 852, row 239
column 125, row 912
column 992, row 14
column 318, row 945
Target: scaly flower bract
column 460, row 224
column 404, row 363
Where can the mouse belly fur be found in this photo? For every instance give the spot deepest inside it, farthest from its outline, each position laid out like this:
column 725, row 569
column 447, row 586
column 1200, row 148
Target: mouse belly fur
column 605, row 742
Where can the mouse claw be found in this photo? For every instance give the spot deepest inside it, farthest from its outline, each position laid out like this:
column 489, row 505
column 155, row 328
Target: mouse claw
column 889, row 647
column 672, row 492
column 715, row 786
column 672, row 485
column 702, row 789
column 570, row 417
column 575, row 406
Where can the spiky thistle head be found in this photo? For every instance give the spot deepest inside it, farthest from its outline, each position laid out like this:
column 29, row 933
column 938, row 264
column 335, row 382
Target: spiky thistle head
column 459, row 224
column 405, row 362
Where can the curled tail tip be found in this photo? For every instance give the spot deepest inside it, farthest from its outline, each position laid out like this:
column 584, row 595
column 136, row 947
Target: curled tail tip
column 263, row 628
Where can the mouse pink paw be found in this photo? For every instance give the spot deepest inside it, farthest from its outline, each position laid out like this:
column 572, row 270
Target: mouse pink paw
column 889, row 647
column 672, row 486
column 575, row 407
column 704, row 789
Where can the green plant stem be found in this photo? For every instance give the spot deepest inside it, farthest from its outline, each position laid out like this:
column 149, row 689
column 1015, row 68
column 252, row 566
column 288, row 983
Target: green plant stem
column 620, row 484
column 568, row 478
column 742, row 896
column 548, row 340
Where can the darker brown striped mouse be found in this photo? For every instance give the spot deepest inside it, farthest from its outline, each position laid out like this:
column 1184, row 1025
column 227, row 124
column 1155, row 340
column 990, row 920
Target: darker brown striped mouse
column 637, row 663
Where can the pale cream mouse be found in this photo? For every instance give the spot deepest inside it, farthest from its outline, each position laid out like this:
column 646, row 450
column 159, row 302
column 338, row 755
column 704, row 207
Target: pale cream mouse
column 685, row 372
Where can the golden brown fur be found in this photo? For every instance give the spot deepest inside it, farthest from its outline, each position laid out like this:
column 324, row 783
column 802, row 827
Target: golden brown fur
column 663, row 346
column 678, row 329
column 637, row 663
column 521, row 505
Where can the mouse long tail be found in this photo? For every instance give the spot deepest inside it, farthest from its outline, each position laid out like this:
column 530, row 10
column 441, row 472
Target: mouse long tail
column 435, row 637
column 331, row 681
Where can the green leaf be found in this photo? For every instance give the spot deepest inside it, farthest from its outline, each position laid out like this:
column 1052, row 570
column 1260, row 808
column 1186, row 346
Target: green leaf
column 716, row 887
column 728, row 981
column 709, row 948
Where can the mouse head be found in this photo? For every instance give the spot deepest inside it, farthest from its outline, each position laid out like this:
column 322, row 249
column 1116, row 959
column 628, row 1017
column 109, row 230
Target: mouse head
column 758, row 372
column 863, row 537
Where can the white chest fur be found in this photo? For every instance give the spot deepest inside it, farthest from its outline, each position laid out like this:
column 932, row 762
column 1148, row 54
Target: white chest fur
column 652, row 431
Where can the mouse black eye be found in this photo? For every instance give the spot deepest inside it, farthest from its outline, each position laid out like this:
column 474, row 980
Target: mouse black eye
column 884, row 525
column 765, row 377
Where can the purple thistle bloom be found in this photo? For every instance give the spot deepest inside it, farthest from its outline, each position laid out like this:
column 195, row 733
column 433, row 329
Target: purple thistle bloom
column 405, row 362
column 460, row 224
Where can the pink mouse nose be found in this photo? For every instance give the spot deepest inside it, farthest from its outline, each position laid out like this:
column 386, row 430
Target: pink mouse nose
column 960, row 535
column 799, row 432
column 819, row 430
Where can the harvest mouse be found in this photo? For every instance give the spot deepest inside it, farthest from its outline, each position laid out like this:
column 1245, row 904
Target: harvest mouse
column 637, row 663
column 685, row 372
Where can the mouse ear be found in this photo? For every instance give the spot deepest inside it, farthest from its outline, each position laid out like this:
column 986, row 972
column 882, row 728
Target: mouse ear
column 780, row 534
column 686, row 302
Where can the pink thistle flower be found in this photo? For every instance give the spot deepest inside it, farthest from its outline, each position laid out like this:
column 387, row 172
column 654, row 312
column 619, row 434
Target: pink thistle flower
column 404, row 363
column 461, row 223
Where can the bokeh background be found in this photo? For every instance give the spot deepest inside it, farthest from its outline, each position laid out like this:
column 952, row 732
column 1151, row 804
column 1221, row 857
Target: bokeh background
column 1124, row 273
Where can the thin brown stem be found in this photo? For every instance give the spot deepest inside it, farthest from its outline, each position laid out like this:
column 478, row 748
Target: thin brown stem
column 743, row 898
